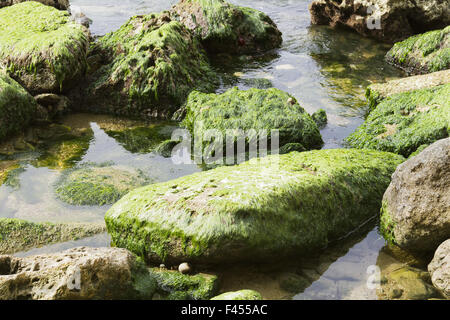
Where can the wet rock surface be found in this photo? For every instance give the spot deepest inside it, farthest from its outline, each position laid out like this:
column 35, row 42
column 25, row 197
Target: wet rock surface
column 386, row 20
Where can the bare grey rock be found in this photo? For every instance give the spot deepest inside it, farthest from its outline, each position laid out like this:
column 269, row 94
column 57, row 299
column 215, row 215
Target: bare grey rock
column 386, row 20
column 416, row 205
column 79, row 273
column 439, row 269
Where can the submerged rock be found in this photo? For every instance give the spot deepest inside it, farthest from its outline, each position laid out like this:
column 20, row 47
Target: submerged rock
column 239, row 295
column 17, row 106
column 76, row 274
column 379, row 91
column 386, row 20
column 58, row 4
column 405, row 121
column 424, row 53
column 416, row 206
column 254, row 109
column 98, row 185
column 224, row 27
column 406, row 283
column 41, row 47
column 18, row 235
column 172, row 285
column 439, row 269
column 149, row 66
column 320, row 118
column 279, row 206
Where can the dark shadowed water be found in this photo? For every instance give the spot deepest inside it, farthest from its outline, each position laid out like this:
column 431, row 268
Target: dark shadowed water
column 321, row 67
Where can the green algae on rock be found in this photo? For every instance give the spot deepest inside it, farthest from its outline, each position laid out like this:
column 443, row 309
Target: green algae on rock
column 405, row 121
column 377, row 92
column 425, row 53
column 224, row 27
column 17, row 106
column 97, row 185
column 19, row 235
column 58, row 4
column 280, row 206
column 239, row 295
column 172, row 285
column 253, row 109
column 41, row 47
column 152, row 64
column 320, row 118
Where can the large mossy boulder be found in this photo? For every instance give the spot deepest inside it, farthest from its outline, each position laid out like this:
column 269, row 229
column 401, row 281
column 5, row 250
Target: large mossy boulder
column 424, row 53
column 284, row 205
column 17, row 106
column 254, row 109
column 150, row 65
column 76, row 274
column 19, row 235
column 58, row 4
column 224, row 27
column 416, row 206
column 385, row 20
column 403, row 122
column 41, row 47
column 97, row 185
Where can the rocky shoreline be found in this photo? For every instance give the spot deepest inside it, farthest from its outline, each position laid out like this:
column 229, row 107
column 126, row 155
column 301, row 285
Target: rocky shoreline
column 158, row 66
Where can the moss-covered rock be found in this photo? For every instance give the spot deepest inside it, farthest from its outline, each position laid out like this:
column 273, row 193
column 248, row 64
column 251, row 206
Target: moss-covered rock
column 425, row 53
column 239, row 295
column 97, row 185
column 224, row 27
column 253, row 109
column 41, row 47
column 58, row 4
column 377, row 92
column 405, row 121
column 19, row 235
column 150, row 66
column 320, row 118
column 280, row 206
column 6, row 167
column 172, row 285
column 17, row 106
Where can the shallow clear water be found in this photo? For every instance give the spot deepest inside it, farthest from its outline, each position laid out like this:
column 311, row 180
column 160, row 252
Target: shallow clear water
column 321, row 67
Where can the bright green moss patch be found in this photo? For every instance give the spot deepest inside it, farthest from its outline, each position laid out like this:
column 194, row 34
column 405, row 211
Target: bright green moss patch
column 153, row 64
column 17, row 107
column 387, row 225
column 253, row 109
column 424, row 53
column 279, row 206
column 239, row 295
column 97, row 185
column 18, row 235
column 172, row 285
column 224, row 27
column 405, row 121
column 41, row 47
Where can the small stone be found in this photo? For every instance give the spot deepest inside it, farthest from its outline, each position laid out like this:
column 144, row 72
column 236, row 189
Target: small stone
column 185, row 268
column 162, row 266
